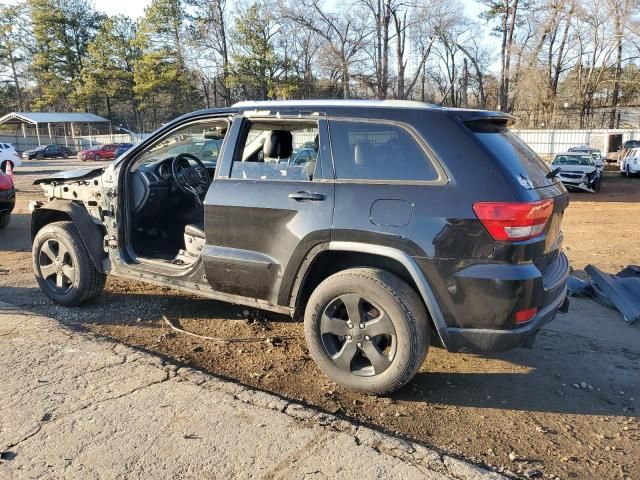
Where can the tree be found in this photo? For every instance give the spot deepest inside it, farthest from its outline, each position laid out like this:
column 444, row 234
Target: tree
column 14, row 50
column 62, row 30
column 256, row 67
column 162, row 80
column 108, row 74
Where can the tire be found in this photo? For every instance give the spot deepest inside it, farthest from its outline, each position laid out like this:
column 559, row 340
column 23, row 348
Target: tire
column 402, row 353
column 87, row 282
column 65, row 155
column 97, row 157
column 40, row 156
column 5, row 218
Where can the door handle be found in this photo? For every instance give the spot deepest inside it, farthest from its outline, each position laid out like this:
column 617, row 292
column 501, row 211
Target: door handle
column 306, row 196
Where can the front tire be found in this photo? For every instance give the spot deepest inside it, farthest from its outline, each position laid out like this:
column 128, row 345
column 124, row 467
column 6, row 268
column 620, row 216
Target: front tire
column 97, row 157
column 367, row 329
column 63, row 268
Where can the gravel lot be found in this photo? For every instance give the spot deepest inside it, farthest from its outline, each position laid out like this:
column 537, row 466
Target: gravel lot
column 568, row 408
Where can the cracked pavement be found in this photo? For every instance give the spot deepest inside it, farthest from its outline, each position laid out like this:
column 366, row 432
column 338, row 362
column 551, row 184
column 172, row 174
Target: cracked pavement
column 76, row 405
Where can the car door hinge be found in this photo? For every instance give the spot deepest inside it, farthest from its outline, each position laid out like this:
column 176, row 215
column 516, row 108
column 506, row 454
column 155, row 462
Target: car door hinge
column 110, row 242
column 111, row 193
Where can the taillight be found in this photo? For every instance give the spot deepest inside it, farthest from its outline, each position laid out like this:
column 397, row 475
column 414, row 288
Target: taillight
column 523, row 316
column 514, row 221
column 5, row 182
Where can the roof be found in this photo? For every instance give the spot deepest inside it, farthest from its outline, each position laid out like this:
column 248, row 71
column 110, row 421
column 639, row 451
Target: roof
column 51, row 117
column 334, row 103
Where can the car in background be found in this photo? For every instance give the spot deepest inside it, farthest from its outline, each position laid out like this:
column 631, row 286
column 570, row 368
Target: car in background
column 7, row 199
column 123, row 147
column 594, row 152
column 47, row 151
column 577, row 171
column 8, row 155
column 100, row 152
column 630, row 165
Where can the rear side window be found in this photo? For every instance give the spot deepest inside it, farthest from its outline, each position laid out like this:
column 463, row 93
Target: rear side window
column 378, row 151
column 514, row 154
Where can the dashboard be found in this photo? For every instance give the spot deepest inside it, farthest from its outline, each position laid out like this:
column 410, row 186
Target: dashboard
column 153, row 189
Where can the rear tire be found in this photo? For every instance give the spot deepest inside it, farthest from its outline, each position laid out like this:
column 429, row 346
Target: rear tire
column 5, row 218
column 65, row 155
column 63, row 268
column 350, row 348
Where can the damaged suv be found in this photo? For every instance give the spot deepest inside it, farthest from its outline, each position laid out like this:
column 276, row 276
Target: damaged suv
column 404, row 224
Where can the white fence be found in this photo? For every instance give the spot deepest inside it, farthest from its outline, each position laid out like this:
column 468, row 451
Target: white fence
column 550, row 142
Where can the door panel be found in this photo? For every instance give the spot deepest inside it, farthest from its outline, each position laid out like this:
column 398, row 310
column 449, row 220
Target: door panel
column 254, row 227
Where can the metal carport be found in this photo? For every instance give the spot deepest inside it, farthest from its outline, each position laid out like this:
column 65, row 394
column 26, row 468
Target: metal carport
column 71, row 124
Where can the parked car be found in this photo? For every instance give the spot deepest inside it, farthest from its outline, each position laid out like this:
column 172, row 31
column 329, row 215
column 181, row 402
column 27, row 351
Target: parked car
column 595, row 153
column 630, row 164
column 578, row 171
column 416, row 223
column 7, row 199
column 624, row 150
column 8, row 155
column 122, row 147
column 100, row 152
column 47, row 151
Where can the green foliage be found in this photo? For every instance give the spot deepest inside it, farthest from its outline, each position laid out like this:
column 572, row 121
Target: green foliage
column 256, row 67
column 161, row 78
column 14, row 54
column 108, row 72
column 62, row 30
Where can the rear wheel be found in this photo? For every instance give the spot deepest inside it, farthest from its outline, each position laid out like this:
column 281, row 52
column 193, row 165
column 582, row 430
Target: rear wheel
column 62, row 266
column 367, row 329
column 5, row 218
column 65, row 155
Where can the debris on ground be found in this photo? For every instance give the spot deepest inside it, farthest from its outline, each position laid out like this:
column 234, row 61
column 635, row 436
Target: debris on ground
column 620, row 291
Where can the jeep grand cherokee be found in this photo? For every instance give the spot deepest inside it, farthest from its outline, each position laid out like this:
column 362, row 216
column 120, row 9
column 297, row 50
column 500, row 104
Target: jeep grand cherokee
column 408, row 224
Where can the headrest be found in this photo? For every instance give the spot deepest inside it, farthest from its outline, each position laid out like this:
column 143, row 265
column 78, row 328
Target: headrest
column 279, row 144
column 363, row 154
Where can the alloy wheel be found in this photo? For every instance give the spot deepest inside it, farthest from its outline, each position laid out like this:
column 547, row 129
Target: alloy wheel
column 358, row 335
column 56, row 266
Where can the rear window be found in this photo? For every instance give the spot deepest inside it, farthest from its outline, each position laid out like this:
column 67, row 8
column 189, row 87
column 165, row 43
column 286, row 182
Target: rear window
column 366, row 150
column 584, row 160
column 514, row 154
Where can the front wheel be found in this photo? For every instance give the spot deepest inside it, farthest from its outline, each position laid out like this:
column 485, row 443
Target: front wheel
column 97, row 157
column 367, row 329
column 65, row 155
column 63, row 268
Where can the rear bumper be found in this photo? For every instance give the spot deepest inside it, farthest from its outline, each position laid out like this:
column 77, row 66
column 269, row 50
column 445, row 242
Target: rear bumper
column 488, row 340
column 481, row 313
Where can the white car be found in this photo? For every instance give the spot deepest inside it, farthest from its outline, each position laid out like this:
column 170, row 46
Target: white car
column 8, row 155
column 578, row 171
column 630, row 164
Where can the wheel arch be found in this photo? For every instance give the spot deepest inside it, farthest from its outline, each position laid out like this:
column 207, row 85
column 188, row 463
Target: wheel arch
column 92, row 235
column 330, row 258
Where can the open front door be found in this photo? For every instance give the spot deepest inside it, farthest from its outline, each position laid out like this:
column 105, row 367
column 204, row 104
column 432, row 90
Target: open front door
column 271, row 202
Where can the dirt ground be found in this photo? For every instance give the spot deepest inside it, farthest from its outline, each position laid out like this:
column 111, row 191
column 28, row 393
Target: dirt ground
column 568, row 408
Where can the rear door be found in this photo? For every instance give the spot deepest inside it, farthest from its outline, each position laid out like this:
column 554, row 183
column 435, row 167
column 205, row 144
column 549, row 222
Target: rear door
column 263, row 215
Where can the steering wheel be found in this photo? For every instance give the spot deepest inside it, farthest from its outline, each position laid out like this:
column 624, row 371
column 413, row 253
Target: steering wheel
column 190, row 179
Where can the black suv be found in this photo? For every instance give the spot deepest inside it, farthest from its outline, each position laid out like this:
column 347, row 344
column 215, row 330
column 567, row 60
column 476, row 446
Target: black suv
column 410, row 224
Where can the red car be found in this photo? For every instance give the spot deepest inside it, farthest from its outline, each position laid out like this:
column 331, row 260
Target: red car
column 101, row 152
column 7, row 199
